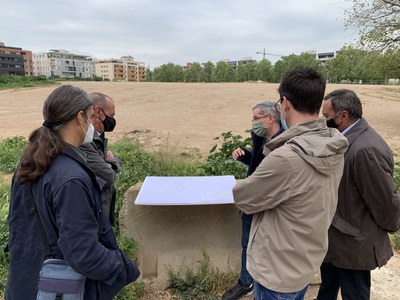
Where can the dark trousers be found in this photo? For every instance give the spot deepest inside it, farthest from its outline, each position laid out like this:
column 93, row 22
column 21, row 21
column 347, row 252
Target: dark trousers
column 353, row 284
column 245, row 278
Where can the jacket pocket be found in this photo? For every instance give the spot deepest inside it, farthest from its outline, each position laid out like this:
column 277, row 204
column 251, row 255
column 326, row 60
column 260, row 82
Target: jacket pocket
column 345, row 227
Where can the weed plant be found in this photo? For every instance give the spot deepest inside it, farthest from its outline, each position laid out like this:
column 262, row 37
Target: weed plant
column 4, row 257
column 200, row 282
column 395, row 237
column 220, row 161
column 10, row 153
column 138, row 163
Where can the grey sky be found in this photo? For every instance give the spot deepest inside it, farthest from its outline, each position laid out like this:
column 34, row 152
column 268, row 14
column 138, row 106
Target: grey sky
column 177, row 31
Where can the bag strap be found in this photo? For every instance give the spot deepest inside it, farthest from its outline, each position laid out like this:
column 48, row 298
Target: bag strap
column 45, row 242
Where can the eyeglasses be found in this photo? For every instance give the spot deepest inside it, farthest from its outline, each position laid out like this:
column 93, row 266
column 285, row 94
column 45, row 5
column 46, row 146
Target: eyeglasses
column 278, row 105
column 256, row 118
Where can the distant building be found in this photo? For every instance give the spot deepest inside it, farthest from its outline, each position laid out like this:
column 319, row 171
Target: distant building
column 321, row 56
column 15, row 61
column 124, row 69
column 324, row 56
column 236, row 63
column 63, row 64
column 233, row 63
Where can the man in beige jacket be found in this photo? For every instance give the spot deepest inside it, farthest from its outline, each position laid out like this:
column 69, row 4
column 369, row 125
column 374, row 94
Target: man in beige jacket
column 293, row 193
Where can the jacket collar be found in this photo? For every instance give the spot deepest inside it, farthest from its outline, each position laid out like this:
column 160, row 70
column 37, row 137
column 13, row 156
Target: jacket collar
column 356, row 131
column 296, row 130
column 72, row 153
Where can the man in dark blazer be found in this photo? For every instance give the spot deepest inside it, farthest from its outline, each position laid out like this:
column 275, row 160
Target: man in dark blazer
column 368, row 206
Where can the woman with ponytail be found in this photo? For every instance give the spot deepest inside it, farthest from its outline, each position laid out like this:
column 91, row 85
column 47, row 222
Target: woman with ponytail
column 53, row 172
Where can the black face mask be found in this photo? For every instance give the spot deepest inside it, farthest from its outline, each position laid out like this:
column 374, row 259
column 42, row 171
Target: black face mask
column 331, row 123
column 109, row 123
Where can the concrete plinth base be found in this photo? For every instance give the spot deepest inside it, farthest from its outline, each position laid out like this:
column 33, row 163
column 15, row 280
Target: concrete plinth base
column 175, row 236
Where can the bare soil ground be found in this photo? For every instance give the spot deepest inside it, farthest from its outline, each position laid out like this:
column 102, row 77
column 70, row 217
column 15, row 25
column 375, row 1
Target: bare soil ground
column 186, row 117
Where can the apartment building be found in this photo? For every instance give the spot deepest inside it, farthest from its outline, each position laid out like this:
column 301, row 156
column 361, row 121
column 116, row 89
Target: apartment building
column 324, row 56
column 123, row 69
column 15, row 61
column 62, row 63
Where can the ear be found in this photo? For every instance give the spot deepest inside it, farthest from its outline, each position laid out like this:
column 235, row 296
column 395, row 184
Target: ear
column 344, row 114
column 80, row 117
column 97, row 110
column 285, row 100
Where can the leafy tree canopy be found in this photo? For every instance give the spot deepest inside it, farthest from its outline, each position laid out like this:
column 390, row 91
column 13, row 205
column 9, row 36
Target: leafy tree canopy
column 377, row 21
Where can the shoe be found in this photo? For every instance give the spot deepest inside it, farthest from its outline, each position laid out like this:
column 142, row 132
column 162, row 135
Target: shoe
column 237, row 292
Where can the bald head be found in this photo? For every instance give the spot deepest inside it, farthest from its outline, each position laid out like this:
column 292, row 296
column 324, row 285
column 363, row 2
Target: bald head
column 103, row 107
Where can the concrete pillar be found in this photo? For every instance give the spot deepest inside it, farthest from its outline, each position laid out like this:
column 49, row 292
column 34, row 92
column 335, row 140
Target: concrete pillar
column 173, row 236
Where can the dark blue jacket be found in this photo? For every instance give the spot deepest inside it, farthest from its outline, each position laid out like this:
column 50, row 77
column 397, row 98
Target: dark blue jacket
column 254, row 157
column 69, row 203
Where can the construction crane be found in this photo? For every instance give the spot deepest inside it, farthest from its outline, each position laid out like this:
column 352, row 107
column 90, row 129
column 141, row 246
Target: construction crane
column 266, row 53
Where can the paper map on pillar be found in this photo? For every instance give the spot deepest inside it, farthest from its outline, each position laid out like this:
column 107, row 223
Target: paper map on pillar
column 186, row 190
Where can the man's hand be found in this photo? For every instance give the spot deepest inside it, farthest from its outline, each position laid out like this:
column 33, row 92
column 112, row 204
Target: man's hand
column 109, row 155
column 237, row 152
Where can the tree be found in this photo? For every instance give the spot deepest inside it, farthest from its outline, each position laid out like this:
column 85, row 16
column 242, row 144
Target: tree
column 168, row 73
column 193, row 73
column 208, row 72
column 264, row 70
column 293, row 61
column 377, row 21
column 223, row 72
column 246, row 72
column 353, row 65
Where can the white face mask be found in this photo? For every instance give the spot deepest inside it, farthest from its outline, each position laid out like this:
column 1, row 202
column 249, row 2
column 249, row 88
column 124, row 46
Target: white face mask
column 88, row 134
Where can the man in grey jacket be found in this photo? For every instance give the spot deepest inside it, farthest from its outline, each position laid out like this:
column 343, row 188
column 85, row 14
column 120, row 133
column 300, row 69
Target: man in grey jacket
column 368, row 206
column 101, row 160
column 293, row 192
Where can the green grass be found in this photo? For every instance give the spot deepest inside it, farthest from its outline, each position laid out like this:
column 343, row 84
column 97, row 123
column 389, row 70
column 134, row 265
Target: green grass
column 201, row 281
column 13, row 82
column 395, row 237
column 10, row 153
column 138, row 163
column 4, row 258
column 195, row 282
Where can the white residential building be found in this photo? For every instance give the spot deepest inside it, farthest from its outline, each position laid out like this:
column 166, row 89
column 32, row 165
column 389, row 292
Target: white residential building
column 63, row 64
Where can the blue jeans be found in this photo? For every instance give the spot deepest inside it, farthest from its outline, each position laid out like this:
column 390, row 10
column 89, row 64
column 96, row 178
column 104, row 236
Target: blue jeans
column 263, row 293
column 245, row 278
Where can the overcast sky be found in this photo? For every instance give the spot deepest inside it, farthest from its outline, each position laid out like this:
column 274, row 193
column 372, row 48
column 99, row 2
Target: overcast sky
column 177, row 31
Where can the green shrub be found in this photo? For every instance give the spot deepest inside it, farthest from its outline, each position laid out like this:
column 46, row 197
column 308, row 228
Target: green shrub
column 138, row 163
column 396, row 176
column 11, row 150
column 4, row 257
column 128, row 245
column 200, row 282
column 395, row 238
column 131, row 291
column 220, row 161
column 13, row 82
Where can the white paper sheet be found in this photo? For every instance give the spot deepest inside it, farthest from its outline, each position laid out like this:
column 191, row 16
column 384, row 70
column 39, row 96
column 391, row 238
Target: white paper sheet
column 186, row 190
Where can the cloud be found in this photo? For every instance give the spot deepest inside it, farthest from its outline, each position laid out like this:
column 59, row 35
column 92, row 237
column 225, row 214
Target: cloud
column 177, row 31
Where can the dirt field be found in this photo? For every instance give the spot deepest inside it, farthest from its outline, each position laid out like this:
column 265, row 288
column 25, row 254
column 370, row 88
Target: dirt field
column 186, row 117
column 189, row 116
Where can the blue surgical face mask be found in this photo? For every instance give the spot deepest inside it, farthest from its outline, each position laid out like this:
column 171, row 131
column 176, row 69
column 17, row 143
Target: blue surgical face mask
column 283, row 122
column 284, row 125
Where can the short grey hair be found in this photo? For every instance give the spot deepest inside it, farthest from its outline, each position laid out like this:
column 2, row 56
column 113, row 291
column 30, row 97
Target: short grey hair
column 99, row 99
column 268, row 108
column 343, row 99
